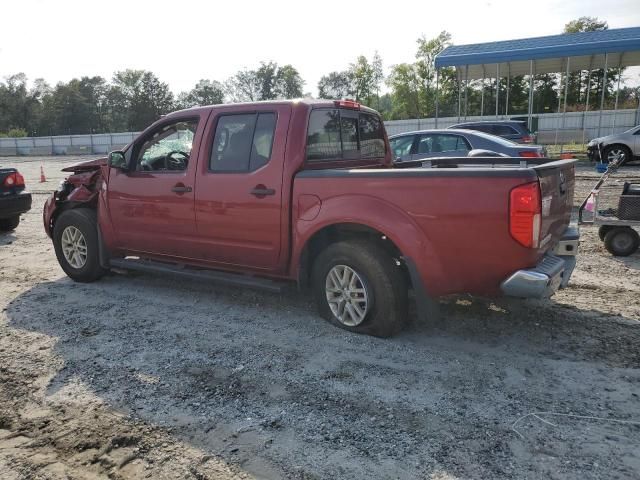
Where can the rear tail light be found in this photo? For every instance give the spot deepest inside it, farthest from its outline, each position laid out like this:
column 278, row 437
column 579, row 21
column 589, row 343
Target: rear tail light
column 527, row 139
column 14, row 179
column 347, row 104
column 530, row 154
column 524, row 214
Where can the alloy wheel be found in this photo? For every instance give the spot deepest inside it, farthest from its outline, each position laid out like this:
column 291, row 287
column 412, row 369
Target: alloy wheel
column 347, row 295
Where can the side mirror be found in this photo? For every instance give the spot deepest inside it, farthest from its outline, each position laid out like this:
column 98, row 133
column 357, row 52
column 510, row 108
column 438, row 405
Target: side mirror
column 118, row 160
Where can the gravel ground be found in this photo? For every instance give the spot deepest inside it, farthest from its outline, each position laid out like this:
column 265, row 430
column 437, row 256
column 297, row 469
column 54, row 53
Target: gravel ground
column 138, row 376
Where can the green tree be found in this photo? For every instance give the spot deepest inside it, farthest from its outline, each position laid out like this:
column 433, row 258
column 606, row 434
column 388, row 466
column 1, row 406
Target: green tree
column 336, row 85
column 413, row 88
column 268, row 82
column 206, row 92
column 142, row 95
column 578, row 82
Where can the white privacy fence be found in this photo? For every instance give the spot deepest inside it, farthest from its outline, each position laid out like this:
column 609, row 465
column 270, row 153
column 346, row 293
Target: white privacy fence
column 65, row 144
column 553, row 128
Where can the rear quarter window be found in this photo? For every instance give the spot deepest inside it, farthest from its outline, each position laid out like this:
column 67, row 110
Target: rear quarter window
column 336, row 134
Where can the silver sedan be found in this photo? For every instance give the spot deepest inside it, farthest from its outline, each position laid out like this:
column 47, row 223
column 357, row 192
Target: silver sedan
column 456, row 143
column 619, row 147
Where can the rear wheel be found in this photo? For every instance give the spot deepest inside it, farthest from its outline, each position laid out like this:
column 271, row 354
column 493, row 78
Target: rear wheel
column 75, row 239
column 622, row 241
column 617, row 153
column 603, row 230
column 8, row 224
column 358, row 286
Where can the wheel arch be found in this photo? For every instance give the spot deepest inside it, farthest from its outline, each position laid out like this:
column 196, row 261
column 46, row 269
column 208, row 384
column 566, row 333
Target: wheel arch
column 372, row 218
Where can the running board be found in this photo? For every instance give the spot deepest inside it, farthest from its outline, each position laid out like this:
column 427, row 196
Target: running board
column 149, row 266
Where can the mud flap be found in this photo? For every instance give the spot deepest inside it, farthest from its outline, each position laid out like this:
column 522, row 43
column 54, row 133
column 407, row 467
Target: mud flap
column 428, row 307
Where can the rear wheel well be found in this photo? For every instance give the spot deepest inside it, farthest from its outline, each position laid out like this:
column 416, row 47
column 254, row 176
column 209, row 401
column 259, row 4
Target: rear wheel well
column 340, row 232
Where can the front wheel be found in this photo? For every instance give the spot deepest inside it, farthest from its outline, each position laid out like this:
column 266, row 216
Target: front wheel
column 75, row 239
column 622, row 241
column 359, row 287
column 617, row 153
column 9, row 224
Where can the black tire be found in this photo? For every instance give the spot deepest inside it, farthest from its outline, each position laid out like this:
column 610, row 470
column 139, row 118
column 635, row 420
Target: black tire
column 382, row 280
column 622, row 148
column 622, row 241
column 603, row 230
column 85, row 220
column 9, row 224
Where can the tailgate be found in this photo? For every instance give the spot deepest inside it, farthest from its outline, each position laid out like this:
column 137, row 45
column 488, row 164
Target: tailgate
column 557, row 183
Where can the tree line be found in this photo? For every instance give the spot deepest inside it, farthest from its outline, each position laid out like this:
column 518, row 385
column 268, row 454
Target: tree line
column 132, row 99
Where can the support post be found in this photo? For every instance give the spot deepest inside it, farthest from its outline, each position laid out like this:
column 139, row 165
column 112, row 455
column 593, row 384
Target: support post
column 566, row 94
column 459, row 92
column 506, row 102
column 437, row 94
column 497, row 88
column 466, row 92
column 586, row 102
column 604, row 89
column 530, row 109
column 615, row 106
column 560, row 85
column 482, row 94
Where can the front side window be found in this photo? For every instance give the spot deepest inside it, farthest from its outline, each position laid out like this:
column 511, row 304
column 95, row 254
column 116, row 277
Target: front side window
column 344, row 134
column 168, row 148
column 242, row 143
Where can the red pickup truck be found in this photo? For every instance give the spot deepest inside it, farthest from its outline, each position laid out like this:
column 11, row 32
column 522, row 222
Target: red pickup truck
column 254, row 194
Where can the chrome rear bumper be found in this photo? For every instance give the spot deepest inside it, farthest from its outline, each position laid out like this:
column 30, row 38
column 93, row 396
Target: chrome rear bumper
column 552, row 273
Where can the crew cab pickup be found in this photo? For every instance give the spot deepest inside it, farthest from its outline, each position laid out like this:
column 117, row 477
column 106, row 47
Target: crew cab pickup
column 305, row 191
column 14, row 199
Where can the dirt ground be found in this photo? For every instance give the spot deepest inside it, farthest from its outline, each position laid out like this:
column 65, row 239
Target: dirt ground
column 137, row 376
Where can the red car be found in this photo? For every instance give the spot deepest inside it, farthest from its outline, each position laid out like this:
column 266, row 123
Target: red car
column 305, row 191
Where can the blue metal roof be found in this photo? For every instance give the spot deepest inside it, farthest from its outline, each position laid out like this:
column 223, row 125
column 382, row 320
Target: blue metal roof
column 550, row 47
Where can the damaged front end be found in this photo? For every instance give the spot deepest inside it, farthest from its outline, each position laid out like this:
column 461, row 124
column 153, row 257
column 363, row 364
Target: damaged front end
column 80, row 188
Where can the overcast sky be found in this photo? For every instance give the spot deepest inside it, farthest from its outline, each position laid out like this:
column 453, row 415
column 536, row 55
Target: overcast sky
column 184, row 41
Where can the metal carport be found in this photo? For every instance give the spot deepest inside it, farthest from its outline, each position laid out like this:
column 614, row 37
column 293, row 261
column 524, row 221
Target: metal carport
column 565, row 53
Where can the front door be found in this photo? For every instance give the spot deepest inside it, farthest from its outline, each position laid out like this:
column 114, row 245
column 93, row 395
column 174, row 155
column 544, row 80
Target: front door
column 152, row 204
column 239, row 187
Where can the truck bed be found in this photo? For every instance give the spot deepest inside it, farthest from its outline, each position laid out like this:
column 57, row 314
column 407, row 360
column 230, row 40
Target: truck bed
column 460, row 206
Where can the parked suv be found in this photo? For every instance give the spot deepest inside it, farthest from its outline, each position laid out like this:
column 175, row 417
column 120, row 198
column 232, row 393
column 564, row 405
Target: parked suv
column 620, row 147
column 514, row 130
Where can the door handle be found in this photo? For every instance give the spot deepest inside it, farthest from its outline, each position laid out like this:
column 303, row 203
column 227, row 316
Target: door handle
column 181, row 189
column 262, row 191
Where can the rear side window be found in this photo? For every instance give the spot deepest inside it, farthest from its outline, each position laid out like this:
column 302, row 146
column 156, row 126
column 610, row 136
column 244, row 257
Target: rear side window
column 504, row 130
column 344, row 134
column 242, row 143
column 480, row 128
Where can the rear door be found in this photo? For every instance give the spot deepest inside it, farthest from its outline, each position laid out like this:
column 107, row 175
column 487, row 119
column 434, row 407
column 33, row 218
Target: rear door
column 557, row 182
column 238, row 196
column 431, row 145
